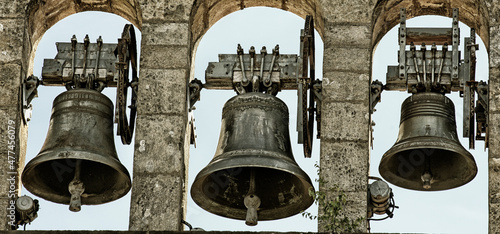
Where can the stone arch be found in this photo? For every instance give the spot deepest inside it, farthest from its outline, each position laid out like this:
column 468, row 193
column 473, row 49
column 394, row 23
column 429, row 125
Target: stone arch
column 206, row 13
column 473, row 13
column 43, row 14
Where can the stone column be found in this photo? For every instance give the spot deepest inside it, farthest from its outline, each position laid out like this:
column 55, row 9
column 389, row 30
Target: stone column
column 494, row 128
column 345, row 123
column 13, row 131
column 161, row 147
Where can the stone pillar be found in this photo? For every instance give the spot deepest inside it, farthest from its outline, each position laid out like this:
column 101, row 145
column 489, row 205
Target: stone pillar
column 13, row 131
column 494, row 128
column 345, row 130
column 161, row 147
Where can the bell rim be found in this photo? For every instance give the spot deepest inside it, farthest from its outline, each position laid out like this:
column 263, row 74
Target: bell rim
column 240, row 214
column 59, row 154
column 431, row 143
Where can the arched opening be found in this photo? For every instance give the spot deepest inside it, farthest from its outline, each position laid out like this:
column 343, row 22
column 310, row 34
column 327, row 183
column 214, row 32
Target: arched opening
column 206, row 14
column 460, row 210
column 53, row 216
column 256, row 26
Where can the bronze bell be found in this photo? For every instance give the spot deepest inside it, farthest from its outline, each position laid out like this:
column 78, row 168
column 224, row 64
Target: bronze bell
column 253, row 175
column 78, row 163
column 427, row 155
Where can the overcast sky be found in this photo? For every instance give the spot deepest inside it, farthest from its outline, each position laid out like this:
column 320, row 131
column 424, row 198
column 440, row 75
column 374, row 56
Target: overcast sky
column 460, row 210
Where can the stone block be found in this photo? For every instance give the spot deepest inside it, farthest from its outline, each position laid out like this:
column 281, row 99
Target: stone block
column 494, row 218
column 345, row 121
column 494, row 90
column 164, row 57
column 12, row 9
column 159, row 146
column 494, row 52
column 347, row 35
column 494, row 135
column 4, row 204
column 354, row 11
column 351, row 59
column 354, row 208
column 162, row 91
column 165, row 34
column 345, row 165
column 11, row 43
column 166, row 10
column 156, row 202
column 345, row 86
column 494, row 11
column 10, row 76
column 7, row 116
column 494, row 179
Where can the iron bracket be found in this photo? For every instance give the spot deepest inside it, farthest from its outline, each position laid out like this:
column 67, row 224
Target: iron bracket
column 194, row 89
column 376, row 89
column 28, row 92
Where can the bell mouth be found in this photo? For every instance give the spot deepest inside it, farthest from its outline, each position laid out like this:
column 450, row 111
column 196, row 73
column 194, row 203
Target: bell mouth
column 410, row 162
column 49, row 174
column 282, row 186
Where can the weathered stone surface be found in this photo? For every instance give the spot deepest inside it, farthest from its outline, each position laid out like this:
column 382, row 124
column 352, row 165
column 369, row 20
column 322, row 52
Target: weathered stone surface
column 162, row 91
column 165, row 33
column 156, row 202
column 345, row 121
column 494, row 135
column 346, row 59
column 10, row 76
column 355, row 11
column 494, row 182
column 494, row 53
column 7, row 116
column 494, row 10
column 494, row 90
column 494, row 225
column 345, row 86
column 159, row 144
column 164, row 57
column 348, row 35
column 166, row 10
column 11, row 43
column 345, row 165
column 351, row 210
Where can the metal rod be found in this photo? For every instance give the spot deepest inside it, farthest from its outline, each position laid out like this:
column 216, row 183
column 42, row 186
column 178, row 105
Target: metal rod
column 252, row 202
column 267, row 81
column 73, row 51
column 433, row 51
column 427, row 175
column 240, row 53
column 76, row 189
column 414, row 56
column 96, row 71
column 424, row 65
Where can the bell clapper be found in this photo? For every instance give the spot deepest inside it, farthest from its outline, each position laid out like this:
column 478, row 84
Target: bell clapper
column 76, row 188
column 427, row 175
column 252, row 202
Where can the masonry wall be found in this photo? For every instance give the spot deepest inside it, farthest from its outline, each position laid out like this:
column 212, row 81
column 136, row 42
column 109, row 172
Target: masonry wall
column 171, row 29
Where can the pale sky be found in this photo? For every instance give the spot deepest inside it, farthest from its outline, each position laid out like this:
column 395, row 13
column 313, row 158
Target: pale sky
column 460, row 210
